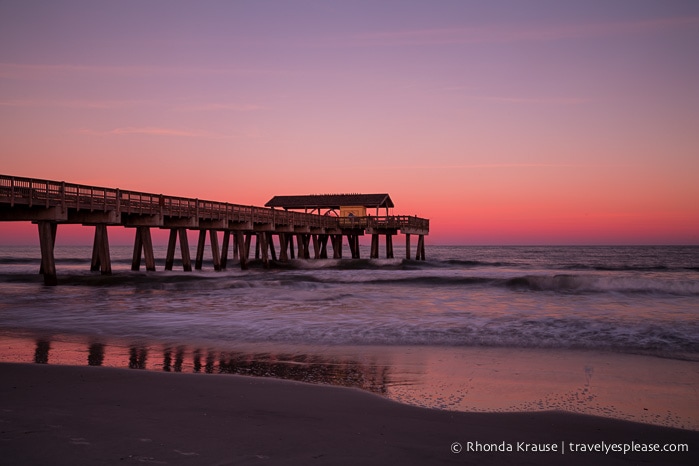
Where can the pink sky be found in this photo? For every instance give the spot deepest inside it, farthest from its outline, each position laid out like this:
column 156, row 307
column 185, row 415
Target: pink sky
column 503, row 122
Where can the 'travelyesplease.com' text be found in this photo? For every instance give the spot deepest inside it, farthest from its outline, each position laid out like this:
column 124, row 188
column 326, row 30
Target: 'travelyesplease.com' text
column 564, row 447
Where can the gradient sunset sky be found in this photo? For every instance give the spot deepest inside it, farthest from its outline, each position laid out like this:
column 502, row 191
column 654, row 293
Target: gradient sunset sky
column 504, row 122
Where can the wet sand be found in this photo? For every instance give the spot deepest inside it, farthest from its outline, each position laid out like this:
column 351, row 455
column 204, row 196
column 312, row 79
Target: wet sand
column 628, row 387
column 52, row 414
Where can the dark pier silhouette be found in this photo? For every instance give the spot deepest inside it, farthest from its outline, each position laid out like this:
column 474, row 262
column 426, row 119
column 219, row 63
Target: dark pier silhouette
column 50, row 203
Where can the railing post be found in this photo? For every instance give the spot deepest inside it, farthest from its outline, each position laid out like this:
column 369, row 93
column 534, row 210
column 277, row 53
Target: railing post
column 63, row 195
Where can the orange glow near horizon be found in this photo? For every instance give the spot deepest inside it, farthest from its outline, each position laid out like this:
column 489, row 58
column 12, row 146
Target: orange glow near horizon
column 502, row 125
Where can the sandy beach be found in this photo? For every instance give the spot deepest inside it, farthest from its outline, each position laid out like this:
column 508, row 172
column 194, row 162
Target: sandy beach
column 96, row 415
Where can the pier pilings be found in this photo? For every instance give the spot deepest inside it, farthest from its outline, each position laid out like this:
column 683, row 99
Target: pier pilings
column 50, row 203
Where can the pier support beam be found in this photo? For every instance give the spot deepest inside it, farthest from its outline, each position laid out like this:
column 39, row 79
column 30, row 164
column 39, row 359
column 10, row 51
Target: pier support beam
column 420, row 248
column 143, row 244
column 283, row 247
column 224, row 249
column 262, row 246
column 47, row 241
column 215, row 252
column 100, row 251
column 353, row 241
column 270, row 244
column 184, row 249
column 201, row 243
column 316, row 246
column 337, row 246
column 374, row 246
column 389, row 246
column 407, row 246
column 303, row 240
column 323, row 239
column 235, row 245
column 243, row 248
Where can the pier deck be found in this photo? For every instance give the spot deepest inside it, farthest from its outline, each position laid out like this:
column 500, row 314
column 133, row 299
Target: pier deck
column 50, row 203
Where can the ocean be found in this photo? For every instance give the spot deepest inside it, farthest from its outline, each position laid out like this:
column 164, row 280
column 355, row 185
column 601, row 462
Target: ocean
column 375, row 319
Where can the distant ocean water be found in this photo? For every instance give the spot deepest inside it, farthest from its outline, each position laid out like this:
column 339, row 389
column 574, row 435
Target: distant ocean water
column 641, row 300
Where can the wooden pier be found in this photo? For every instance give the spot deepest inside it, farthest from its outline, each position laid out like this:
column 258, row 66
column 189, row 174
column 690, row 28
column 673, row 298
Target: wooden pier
column 50, row 203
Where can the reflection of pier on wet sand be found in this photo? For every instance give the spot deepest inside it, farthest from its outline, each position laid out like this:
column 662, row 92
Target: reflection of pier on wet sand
column 310, row 368
column 457, row 379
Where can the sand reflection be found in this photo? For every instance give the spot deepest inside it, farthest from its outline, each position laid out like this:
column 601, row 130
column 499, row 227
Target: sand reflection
column 621, row 386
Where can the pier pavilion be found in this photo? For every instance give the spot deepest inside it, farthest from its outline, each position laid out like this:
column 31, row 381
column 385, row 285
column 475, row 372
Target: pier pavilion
column 50, row 203
column 354, row 212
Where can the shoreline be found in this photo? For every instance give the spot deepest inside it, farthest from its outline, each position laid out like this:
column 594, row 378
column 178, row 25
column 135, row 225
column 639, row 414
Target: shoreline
column 627, row 387
column 90, row 415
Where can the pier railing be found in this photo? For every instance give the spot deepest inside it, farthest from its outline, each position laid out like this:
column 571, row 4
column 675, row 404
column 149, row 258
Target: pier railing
column 30, row 192
column 387, row 222
column 44, row 193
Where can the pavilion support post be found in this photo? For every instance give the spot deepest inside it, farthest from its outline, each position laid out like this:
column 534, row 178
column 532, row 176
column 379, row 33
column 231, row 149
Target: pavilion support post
column 100, row 251
column 389, row 246
column 407, row 246
column 47, row 240
column 235, row 246
column 374, row 246
column 215, row 251
column 257, row 246
column 242, row 251
column 143, row 244
column 224, row 248
column 290, row 239
column 198, row 261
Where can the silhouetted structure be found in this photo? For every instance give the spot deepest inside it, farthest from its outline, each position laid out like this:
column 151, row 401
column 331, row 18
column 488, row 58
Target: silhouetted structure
column 49, row 203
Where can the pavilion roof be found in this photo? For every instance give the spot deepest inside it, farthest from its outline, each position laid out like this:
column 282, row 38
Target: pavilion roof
column 330, row 201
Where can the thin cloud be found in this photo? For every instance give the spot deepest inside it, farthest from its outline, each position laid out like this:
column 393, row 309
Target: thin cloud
column 493, row 166
column 154, row 131
column 533, row 100
column 221, row 106
column 510, row 33
column 93, row 104
column 41, row 71
column 158, row 131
